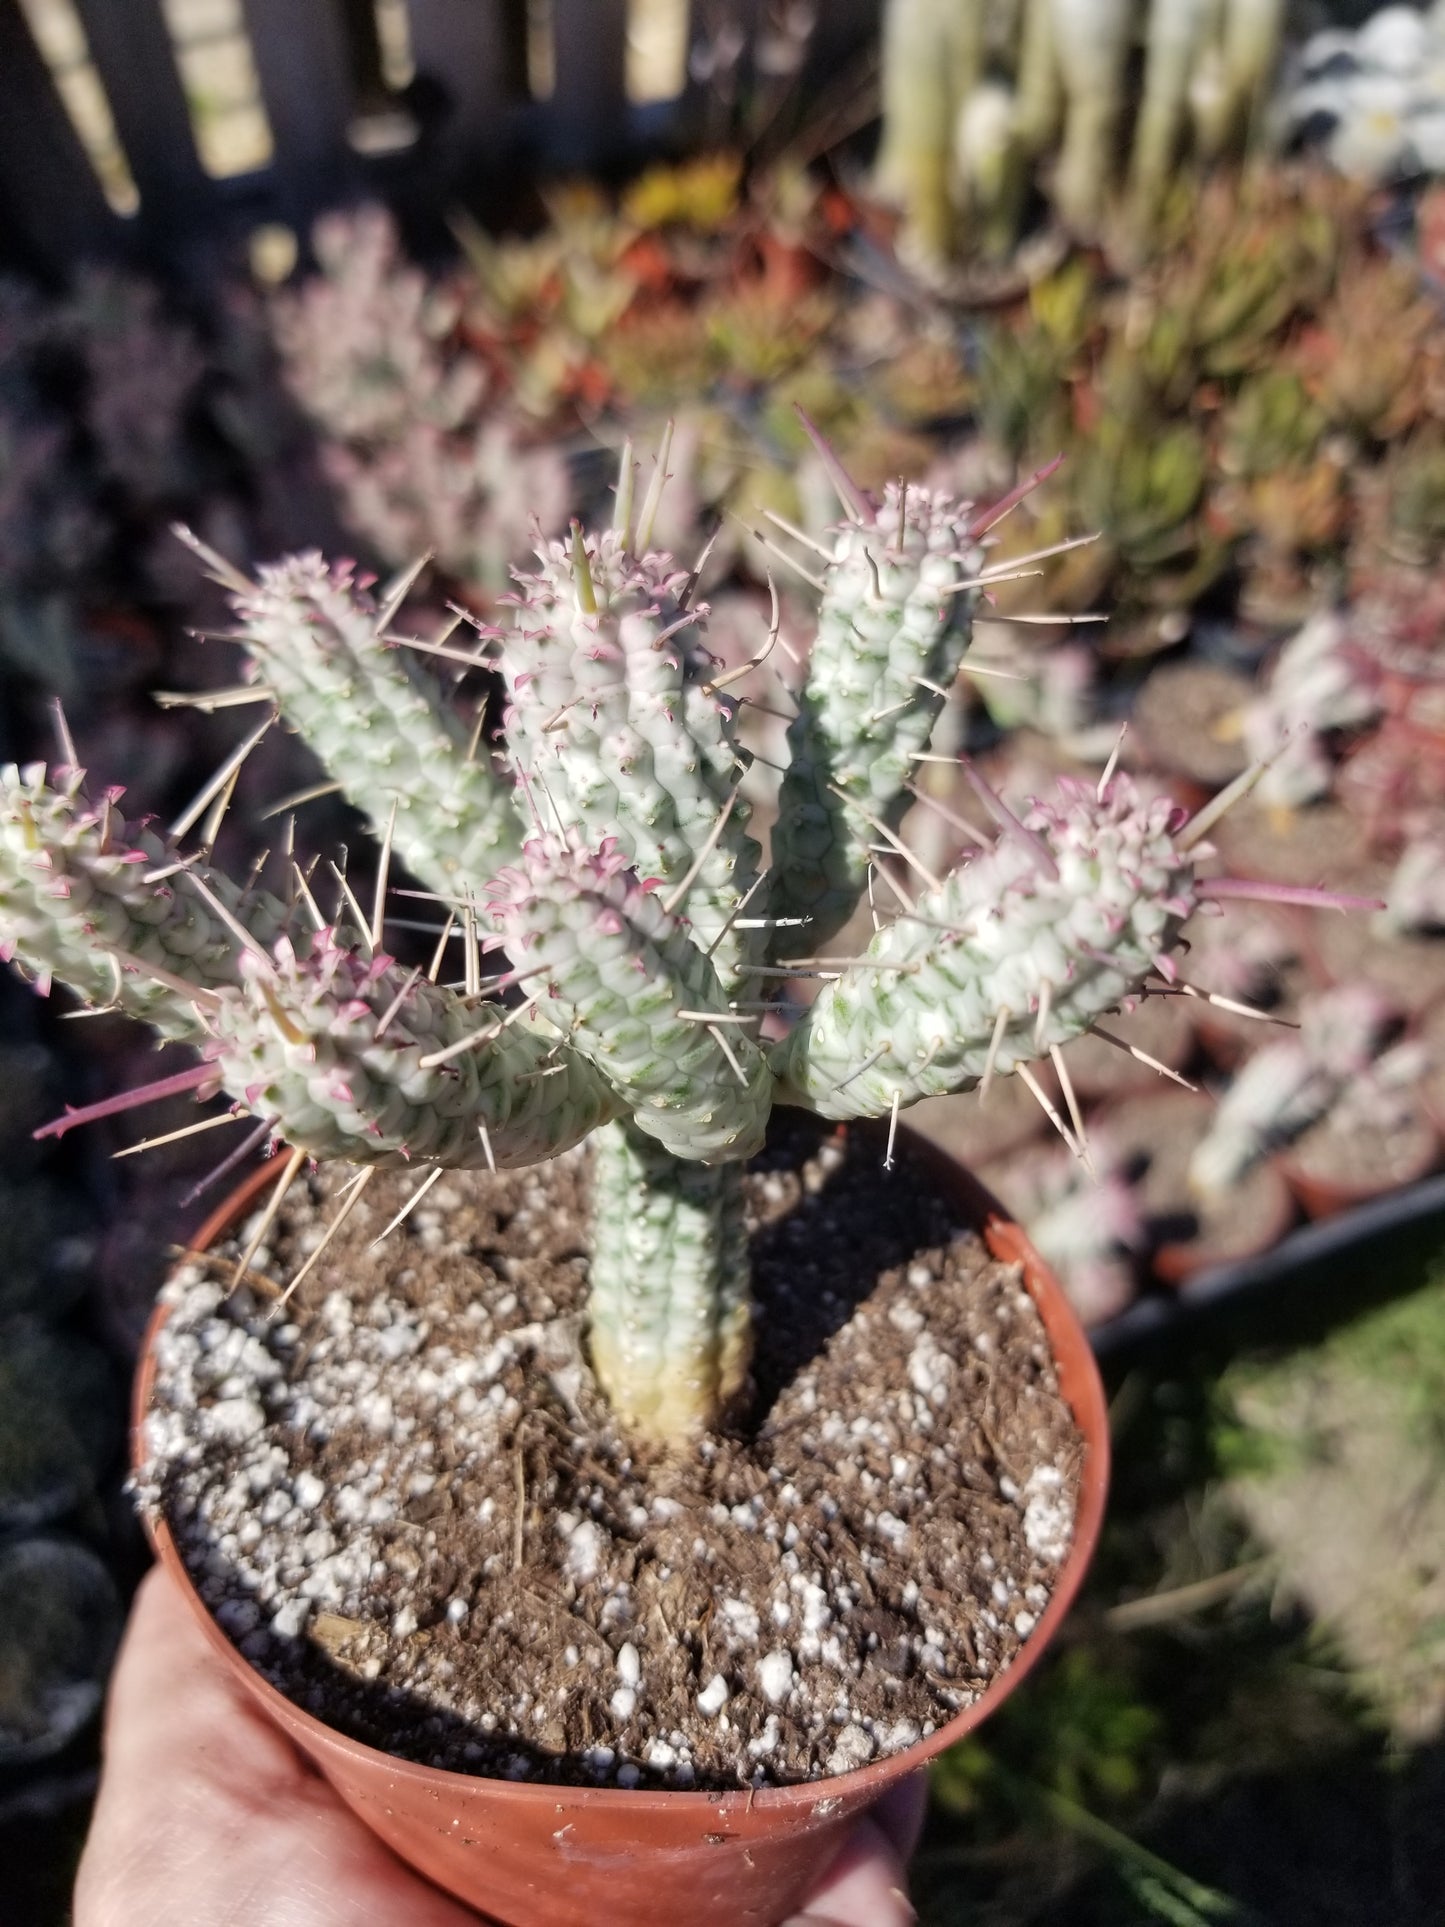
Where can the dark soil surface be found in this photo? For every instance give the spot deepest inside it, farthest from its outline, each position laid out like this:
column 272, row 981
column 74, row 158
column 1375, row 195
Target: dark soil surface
column 405, row 1500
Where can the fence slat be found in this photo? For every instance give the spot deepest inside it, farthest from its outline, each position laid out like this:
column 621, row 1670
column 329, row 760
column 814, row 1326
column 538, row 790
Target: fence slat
column 463, row 64
column 587, row 114
column 49, row 187
column 131, row 48
column 302, row 64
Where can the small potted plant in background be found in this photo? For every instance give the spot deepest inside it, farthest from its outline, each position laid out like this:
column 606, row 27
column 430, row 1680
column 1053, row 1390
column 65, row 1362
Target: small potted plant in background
column 646, row 1592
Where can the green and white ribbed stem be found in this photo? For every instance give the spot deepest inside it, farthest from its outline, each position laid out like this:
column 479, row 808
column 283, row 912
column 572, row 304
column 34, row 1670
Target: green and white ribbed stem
column 893, row 629
column 108, row 909
column 318, row 642
column 1176, row 33
column 670, row 1320
column 355, row 1059
column 1093, row 36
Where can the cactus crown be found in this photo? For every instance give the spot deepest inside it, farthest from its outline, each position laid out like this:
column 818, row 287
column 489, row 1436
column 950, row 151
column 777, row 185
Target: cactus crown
column 610, row 858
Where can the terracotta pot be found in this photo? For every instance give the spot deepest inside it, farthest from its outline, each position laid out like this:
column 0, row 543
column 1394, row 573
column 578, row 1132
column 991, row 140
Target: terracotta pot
column 1177, row 1262
column 561, row 1856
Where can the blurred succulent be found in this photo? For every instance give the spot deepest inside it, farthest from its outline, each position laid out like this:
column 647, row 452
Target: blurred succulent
column 370, row 346
column 1371, row 360
column 1414, row 502
column 1415, row 896
column 1373, row 98
column 375, row 353
column 1086, row 1223
column 142, row 373
column 1272, row 423
column 701, row 194
column 1288, row 1086
column 1321, row 682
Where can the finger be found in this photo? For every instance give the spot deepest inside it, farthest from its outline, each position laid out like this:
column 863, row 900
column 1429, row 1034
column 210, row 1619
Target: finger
column 865, row 1887
column 208, row 1817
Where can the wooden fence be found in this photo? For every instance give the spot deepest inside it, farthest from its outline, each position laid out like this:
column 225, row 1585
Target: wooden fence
column 106, row 131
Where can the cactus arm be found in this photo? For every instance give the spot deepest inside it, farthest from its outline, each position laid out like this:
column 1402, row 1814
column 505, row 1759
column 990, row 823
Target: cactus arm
column 1095, row 35
column 892, row 633
column 671, row 1328
column 612, row 711
column 77, row 896
column 1020, row 950
column 918, row 104
column 316, row 640
column 339, row 1053
column 1176, row 30
column 634, row 993
column 1040, row 90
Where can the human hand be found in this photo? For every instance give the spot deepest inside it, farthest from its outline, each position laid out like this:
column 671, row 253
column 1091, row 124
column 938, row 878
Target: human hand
column 209, row 1817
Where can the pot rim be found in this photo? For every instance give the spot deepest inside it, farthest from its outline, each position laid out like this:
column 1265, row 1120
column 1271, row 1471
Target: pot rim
column 1073, row 1357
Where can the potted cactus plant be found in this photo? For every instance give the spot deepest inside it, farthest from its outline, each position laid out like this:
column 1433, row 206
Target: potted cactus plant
column 647, row 944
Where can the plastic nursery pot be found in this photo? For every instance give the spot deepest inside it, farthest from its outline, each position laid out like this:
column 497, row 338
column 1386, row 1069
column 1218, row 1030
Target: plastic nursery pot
column 563, row 1856
column 1325, row 1197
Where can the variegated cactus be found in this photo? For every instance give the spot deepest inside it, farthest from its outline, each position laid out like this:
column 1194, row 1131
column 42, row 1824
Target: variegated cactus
column 647, row 941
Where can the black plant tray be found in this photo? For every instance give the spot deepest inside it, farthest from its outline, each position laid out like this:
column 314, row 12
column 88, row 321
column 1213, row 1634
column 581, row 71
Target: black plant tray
column 1310, row 1280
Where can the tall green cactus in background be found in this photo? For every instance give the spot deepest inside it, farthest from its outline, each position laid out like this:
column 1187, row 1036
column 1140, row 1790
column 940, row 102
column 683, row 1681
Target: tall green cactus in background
column 974, row 91
column 647, row 941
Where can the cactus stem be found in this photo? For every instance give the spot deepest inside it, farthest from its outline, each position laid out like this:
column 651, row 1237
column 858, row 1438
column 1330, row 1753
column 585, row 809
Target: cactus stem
column 1005, row 818
column 400, row 589
column 348, row 1202
column 1076, row 1116
column 257, row 1238
column 171, row 1137
column 1257, row 890
column 622, row 506
column 1000, row 1025
column 431, row 1178
column 1143, row 1057
column 194, row 1079
column 582, row 573
column 990, row 517
column 1046, row 1105
column 652, row 501
column 856, row 505
column 893, row 840
column 212, row 788
column 798, row 535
